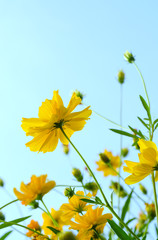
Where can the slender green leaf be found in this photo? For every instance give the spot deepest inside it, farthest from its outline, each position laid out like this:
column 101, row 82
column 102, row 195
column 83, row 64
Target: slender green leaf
column 5, row 235
column 130, row 220
column 126, row 206
column 141, row 120
column 156, row 127
column 54, row 230
column 13, row 222
column 120, row 233
column 139, row 133
column 98, row 200
column 146, row 107
column 124, row 133
column 87, row 200
column 155, row 121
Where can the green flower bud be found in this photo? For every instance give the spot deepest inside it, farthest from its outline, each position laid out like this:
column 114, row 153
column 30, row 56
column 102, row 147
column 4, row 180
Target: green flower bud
column 79, row 94
column 104, row 158
column 1, row 182
column 69, row 192
column 124, row 152
column 121, row 77
column 67, row 236
column 143, row 189
column 2, row 217
column 118, row 189
column 91, row 186
column 66, row 149
column 77, row 174
column 129, row 57
column 34, row 204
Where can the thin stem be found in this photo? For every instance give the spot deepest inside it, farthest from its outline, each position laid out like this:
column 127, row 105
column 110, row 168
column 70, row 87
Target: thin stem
column 143, row 83
column 67, row 186
column 54, row 222
column 155, row 195
column 9, row 203
column 99, row 187
column 107, row 119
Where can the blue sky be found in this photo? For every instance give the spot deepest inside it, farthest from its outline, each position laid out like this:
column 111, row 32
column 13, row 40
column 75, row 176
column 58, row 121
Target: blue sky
column 68, row 45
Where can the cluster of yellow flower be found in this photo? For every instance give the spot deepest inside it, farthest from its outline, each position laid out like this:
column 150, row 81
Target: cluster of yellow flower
column 58, row 122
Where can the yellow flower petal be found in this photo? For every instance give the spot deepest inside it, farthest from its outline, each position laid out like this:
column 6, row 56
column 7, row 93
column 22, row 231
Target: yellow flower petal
column 74, row 101
column 149, row 156
column 28, row 123
column 134, row 179
column 46, row 109
column 143, row 144
column 62, row 138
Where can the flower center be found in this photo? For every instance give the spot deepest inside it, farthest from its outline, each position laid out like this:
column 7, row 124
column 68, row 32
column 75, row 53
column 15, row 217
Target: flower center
column 59, row 124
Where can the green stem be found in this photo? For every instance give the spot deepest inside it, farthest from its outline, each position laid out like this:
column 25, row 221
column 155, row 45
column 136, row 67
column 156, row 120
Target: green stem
column 99, row 187
column 67, row 186
column 49, row 214
column 107, row 118
column 143, row 83
column 9, row 203
column 155, row 195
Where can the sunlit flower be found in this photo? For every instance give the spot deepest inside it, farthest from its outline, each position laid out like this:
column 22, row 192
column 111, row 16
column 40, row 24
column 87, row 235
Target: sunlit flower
column 148, row 162
column 52, row 116
column 33, row 225
column 74, row 206
column 36, row 236
column 90, row 223
column 34, row 190
column 108, row 163
column 150, row 209
column 141, row 221
column 47, row 221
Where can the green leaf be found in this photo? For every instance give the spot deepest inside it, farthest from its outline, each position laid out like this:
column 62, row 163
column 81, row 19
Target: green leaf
column 5, row 235
column 53, row 230
column 141, row 120
column 146, row 107
column 87, row 200
column 156, row 126
column 13, row 222
column 98, row 200
column 130, row 220
column 126, row 206
column 139, row 133
column 124, row 133
column 155, row 121
column 120, row 233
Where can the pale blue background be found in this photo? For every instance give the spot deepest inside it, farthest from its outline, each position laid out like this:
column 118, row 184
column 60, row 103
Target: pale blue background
column 68, row 45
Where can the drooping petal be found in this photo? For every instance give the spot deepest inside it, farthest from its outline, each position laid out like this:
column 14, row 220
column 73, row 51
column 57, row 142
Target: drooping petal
column 134, row 179
column 74, row 101
column 57, row 99
column 44, row 142
column 82, row 115
column 75, row 125
column 143, row 144
column 130, row 164
column 62, row 138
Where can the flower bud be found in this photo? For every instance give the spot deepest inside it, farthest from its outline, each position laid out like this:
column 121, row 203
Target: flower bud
column 91, row 186
column 129, row 57
column 150, row 209
column 143, row 189
column 66, row 149
column 69, row 192
column 141, row 221
column 77, row 174
column 124, row 152
column 2, row 217
column 67, row 236
column 118, row 189
column 104, row 158
column 1, row 182
column 79, row 94
column 34, row 204
column 121, row 77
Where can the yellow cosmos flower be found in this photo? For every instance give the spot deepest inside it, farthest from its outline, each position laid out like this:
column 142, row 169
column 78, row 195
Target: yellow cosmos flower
column 52, row 116
column 90, row 223
column 148, row 162
column 57, row 216
column 107, row 163
column 36, row 188
column 74, row 206
column 33, row 225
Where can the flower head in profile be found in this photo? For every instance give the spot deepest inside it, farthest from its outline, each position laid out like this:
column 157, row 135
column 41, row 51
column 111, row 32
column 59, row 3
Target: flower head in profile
column 148, row 162
column 75, row 205
column 108, row 163
column 52, row 116
column 90, row 223
column 47, row 221
column 34, row 226
column 34, row 190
